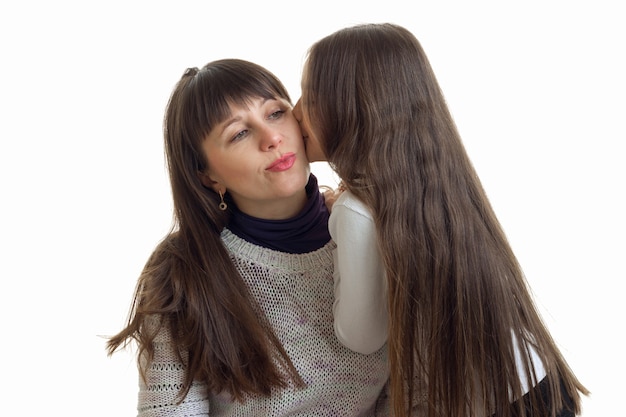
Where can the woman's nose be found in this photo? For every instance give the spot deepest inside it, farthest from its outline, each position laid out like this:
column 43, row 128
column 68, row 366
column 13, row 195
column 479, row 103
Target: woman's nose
column 270, row 138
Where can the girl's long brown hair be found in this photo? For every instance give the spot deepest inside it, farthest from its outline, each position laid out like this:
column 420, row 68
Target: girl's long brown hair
column 456, row 292
column 189, row 282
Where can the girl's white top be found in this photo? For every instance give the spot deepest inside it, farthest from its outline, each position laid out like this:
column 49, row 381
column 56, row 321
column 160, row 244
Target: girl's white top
column 360, row 306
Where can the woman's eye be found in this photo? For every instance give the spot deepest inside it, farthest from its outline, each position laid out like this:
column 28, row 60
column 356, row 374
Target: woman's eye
column 239, row 135
column 277, row 114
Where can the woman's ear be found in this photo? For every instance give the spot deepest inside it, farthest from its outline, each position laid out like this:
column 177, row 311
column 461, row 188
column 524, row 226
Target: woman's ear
column 209, row 183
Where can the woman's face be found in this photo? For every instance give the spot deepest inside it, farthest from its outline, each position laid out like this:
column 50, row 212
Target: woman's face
column 311, row 136
column 257, row 155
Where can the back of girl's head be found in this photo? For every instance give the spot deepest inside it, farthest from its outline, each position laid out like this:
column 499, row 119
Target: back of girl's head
column 199, row 102
column 370, row 90
column 455, row 290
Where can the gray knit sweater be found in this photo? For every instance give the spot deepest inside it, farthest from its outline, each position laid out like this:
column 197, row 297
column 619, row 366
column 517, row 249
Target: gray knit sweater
column 295, row 291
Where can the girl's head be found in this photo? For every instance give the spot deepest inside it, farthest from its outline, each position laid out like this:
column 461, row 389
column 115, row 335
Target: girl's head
column 229, row 130
column 368, row 94
column 372, row 107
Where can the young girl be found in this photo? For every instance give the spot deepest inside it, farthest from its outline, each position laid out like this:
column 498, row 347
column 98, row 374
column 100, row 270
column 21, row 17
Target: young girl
column 422, row 261
column 232, row 312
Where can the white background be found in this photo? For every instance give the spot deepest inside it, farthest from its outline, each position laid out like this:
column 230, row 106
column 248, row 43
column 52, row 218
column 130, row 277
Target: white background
column 537, row 90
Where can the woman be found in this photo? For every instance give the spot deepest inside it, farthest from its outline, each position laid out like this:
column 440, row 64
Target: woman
column 232, row 312
column 422, row 262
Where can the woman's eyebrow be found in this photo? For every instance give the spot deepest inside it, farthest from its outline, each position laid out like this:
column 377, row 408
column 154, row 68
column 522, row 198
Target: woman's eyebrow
column 224, row 125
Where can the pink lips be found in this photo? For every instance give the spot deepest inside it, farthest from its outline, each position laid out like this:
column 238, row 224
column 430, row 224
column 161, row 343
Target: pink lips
column 283, row 163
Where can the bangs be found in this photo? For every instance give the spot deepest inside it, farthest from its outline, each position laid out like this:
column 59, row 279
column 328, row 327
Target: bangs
column 221, row 84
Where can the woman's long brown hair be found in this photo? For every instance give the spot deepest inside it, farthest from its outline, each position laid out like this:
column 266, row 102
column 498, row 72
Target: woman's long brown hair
column 190, row 283
column 456, row 292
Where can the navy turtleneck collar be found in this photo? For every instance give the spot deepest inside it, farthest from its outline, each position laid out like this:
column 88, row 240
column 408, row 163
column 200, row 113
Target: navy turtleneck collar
column 306, row 232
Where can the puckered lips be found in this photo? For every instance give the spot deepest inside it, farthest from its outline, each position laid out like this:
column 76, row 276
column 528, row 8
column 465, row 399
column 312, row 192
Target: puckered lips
column 283, row 163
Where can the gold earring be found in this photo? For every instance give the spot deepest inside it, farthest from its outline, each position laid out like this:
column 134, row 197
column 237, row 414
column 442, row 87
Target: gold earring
column 222, row 206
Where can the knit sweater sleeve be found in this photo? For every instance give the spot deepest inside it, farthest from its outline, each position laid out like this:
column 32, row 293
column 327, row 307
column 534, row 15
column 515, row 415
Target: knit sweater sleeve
column 360, row 307
column 165, row 373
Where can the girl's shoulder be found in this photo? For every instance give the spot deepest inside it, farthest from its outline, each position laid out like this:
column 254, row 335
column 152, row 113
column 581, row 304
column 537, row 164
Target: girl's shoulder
column 352, row 203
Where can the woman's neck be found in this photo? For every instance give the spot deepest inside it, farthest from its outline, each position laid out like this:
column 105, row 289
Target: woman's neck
column 278, row 209
column 304, row 231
